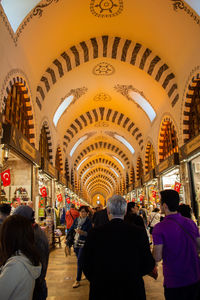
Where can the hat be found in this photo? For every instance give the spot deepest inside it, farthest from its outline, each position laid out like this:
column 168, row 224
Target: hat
column 25, row 211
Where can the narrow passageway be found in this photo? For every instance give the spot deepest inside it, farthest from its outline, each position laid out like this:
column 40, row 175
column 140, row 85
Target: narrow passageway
column 62, row 272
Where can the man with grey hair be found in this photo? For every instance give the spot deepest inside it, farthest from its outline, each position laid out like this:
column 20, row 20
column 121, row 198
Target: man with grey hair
column 116, row 257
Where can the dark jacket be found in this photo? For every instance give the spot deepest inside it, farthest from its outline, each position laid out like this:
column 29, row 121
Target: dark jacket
column 100, row 218
column 115, row 257
column 86, row 226
column 134, row 219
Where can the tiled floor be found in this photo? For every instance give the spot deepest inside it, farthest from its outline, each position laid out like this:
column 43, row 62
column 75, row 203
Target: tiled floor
column 61, row 275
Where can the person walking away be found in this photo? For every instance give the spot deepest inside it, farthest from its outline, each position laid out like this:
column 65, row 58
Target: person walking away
column 100, row 218
column 70, row 216
column 177, row 242
column 42, row 245
column 81, row 226
column 5, row 210
column 20, row 265
column 116, row 256
column 131, row 217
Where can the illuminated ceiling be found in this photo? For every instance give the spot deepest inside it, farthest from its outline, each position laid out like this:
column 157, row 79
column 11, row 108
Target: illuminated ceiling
column 102, row 73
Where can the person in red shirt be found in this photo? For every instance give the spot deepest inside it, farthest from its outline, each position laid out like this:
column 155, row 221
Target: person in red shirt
column 70, row 216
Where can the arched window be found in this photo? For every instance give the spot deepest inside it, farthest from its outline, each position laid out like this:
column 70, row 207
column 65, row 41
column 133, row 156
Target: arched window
column 194, row 117
column 168, row 143
column 43, row 144
column 16, row 110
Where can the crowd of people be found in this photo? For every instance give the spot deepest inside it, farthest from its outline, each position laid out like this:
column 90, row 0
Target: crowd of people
column 115, row 247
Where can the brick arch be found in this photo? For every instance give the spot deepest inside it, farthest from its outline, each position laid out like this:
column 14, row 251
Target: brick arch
column 111, row 47
column 100, row 177
column 99, row 181
column 188, row 100
column 102, row 114
column 102, row 145
column 48, row 133
column 58, row 158
column 100, row 161
column 23, row 84
column 147, row 153
column 139, row 168
column 100, row 170
column 99, row 186
column 166, row 120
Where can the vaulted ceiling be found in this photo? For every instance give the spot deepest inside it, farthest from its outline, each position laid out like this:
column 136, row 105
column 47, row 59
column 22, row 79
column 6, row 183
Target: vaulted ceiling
column 110, row 69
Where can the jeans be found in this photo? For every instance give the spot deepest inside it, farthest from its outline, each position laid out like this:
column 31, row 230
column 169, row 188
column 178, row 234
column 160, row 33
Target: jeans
column 79, row 252
column 189, row 292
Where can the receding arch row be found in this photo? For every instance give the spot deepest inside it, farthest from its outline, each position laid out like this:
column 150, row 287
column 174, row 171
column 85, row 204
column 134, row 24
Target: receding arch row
column 102, row 114
column 100, row 185
column 102, row 145
column 100, row 161
column 100, row 179
column 101, row 176
column 100, row 170
column 111, row 47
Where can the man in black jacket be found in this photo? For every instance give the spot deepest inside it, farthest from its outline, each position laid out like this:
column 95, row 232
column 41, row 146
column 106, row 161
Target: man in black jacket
column 116, row 256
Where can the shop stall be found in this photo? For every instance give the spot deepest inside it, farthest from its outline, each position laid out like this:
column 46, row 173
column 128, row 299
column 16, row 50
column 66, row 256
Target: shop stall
column 140, row 192
column 19, row 158
column 168, row 173
column 190, row 164
column 150, row 183
column 46, row 210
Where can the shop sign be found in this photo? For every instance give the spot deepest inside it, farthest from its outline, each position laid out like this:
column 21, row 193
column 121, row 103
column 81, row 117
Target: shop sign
column 138, row 183
column 190, row 147
column 62, row 179
column 5, row 177
column 169, row 162
column 14, row 138
column 48, row 168
column 149, row 176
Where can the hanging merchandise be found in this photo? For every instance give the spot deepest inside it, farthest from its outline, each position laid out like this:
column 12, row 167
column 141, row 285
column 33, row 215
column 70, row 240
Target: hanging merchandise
column 68, row 200
column 177, row 186
column 5, row 177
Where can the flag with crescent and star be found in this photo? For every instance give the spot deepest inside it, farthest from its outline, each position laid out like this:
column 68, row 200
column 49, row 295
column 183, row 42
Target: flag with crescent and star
column 5, row 177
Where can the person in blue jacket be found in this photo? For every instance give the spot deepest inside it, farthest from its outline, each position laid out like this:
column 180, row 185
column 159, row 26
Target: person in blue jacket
column 81, row 226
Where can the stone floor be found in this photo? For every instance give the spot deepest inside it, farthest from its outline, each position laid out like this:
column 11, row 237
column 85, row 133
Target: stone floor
column 62, row 272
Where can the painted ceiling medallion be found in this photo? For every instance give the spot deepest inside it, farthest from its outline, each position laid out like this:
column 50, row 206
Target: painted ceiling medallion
column 102, row 97
column 106, row 8
column 103, row 68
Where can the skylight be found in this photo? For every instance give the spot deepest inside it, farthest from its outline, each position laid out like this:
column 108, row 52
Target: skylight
column 123, row 141
column 82, row 162
column 83, row 138
column 85, row 172
column 16, row 11
column 61, row 109
column 195, row 4
column 118, row 161
column 144, row 104
column 114, row 172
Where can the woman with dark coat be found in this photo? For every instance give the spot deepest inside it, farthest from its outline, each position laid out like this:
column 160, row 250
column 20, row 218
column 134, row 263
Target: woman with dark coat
column 131, row 217
column 81, row 226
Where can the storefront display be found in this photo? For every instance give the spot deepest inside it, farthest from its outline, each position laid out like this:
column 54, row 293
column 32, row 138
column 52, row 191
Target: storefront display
column 168, row 172
column 151, row 185
column 19, row 158
column 140, row 192
column 190, row 159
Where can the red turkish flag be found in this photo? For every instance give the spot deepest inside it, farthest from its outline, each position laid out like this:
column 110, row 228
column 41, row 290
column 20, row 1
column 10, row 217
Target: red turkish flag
column 154, row 194
column 68, row 200
column 59, row 197
column 43, row 191
column 5, row 177
column 177, row 186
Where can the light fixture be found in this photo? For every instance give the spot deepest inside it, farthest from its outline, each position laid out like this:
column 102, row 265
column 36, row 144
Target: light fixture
column 61, row 109
column 123, row 141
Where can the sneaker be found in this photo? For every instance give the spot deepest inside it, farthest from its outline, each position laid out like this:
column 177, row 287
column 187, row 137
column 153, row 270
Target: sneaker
column 76, row 284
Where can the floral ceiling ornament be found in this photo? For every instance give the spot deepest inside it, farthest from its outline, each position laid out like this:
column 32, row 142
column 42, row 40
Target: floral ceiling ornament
column 38, row 10
column 179, row 4
column 103, row 68
column 106, row 8
column 102, row 97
